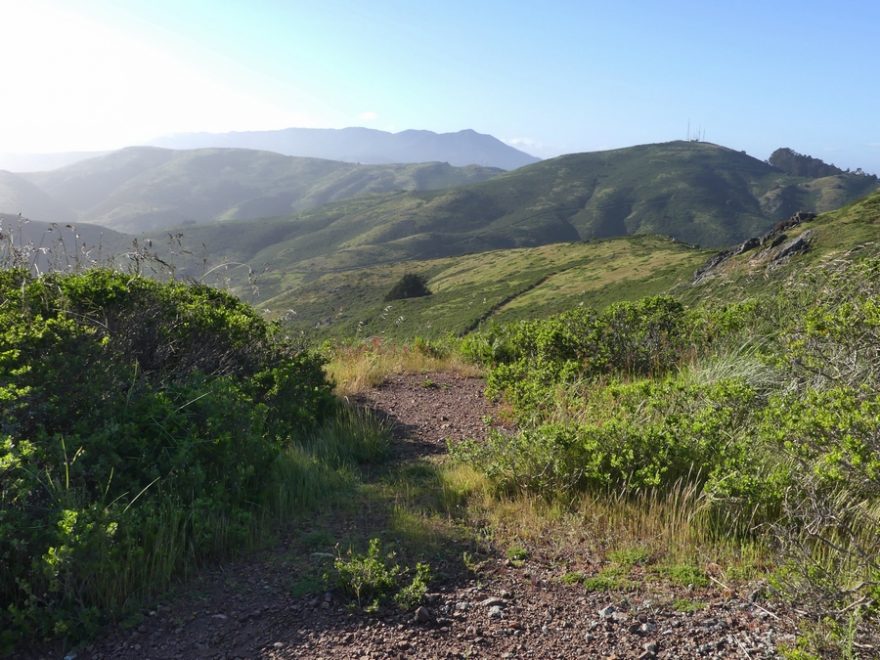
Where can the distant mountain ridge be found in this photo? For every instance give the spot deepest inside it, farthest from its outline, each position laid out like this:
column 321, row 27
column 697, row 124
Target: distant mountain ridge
column 143, row 189
column 364, row 145
column 20, row 196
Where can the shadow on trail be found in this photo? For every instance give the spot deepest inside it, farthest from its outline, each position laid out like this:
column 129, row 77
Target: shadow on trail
column 284, row 601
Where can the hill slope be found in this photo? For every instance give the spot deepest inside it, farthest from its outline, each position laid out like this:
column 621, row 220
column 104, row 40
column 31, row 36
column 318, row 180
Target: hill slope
column 18, row 195
column 694, row 192
column 145, row 188
column 468, row 290
column 840, row 236
column 365, row 145
column 58, row 246
column 535, row 282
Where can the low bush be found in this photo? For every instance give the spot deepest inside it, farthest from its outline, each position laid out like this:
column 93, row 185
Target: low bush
column 140, row 425
column 372, row 578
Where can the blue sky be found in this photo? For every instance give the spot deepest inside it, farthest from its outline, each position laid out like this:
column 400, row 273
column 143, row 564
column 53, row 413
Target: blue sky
column 550, row 77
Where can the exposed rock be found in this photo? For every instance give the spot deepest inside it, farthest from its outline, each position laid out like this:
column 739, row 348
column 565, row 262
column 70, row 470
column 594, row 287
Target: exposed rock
column 607, row 611
column 788, row 223
column 422, row 615
column 797, row 245
column 778, row 239
column 745, row 246
column 771, row 239
column 702, row 273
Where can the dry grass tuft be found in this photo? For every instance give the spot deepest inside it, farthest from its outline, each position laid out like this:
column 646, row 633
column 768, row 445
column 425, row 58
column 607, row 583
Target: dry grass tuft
column 362, row 366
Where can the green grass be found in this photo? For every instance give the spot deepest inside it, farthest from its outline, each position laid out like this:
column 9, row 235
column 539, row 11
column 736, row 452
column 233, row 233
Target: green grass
column 611, row 578
column 502, row 285
column 688, row 606
column 335, row 299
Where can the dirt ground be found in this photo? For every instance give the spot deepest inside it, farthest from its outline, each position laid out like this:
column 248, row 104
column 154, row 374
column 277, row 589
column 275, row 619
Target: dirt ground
column 253, row 609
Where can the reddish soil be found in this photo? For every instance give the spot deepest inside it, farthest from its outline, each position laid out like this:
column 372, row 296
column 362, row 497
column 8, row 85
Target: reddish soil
column 247, row 609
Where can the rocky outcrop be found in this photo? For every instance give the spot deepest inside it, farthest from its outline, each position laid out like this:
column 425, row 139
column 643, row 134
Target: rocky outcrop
column 745, row 246
column 707, row 269
column 788, row 223
column 771, row 241
column 797, row 245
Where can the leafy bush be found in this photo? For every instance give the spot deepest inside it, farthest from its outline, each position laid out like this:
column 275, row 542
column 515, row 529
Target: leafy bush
column 371, row 578
column 368, row 577
column 138, row 424
column 644, row 434
column 767, row 407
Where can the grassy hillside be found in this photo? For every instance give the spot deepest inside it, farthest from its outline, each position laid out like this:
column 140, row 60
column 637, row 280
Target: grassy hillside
column 143, row 188
column 470, row 289
column 519, row 283
column 844, row 235
column 695, row 192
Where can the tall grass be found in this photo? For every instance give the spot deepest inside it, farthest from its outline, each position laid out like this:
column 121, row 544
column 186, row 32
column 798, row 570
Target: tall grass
column 677, row 525
column 358, row 367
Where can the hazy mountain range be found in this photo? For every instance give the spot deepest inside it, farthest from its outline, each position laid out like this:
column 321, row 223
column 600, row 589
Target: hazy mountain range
column 364, row 145
column 141, row 189
column 329, row 214
column 350, row 145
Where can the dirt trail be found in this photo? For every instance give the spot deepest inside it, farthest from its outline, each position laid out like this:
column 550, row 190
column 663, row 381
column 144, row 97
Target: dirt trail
column 248, row 609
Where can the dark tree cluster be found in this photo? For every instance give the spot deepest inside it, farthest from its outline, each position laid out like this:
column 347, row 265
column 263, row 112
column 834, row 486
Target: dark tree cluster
column 791, row 162
column 410, row 285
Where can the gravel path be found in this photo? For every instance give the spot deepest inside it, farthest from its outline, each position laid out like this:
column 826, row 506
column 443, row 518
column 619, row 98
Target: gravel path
column 247, row 609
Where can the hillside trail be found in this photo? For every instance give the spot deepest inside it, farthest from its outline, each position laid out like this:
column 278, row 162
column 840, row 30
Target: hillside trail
column 273, row 604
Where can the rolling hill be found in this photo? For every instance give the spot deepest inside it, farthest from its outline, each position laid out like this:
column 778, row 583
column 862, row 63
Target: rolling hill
column 18, row 195
column 694, row 192
column 504, row 285
column 365, row 145
column 142, row 189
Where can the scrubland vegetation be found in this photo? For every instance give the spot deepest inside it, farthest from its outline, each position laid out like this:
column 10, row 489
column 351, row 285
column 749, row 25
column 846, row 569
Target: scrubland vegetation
column 742, row 434
column 720, row 442
column 148, row 428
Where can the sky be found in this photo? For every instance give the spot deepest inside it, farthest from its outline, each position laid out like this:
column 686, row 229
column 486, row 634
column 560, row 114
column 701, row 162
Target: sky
column 549, row 77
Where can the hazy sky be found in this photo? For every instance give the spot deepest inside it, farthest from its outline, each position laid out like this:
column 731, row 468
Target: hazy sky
column 549, row 77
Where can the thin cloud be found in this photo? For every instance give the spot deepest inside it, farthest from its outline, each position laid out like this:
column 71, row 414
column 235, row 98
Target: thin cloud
column 524, row 143
column 368, row 116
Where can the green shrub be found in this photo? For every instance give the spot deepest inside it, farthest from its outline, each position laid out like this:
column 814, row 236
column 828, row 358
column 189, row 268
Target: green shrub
column 371, row 578
column 139, row 425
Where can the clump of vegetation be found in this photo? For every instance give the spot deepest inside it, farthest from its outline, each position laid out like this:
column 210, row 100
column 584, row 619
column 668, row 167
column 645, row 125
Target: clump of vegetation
column 763, row 412
column 146, row 426
column 372, row 578
column 361, row 365
column 411, row 285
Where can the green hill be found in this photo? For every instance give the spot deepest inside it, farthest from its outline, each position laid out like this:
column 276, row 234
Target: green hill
column 695, row 192
column 142, row 189
column 509, row 284
column 469, row 289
